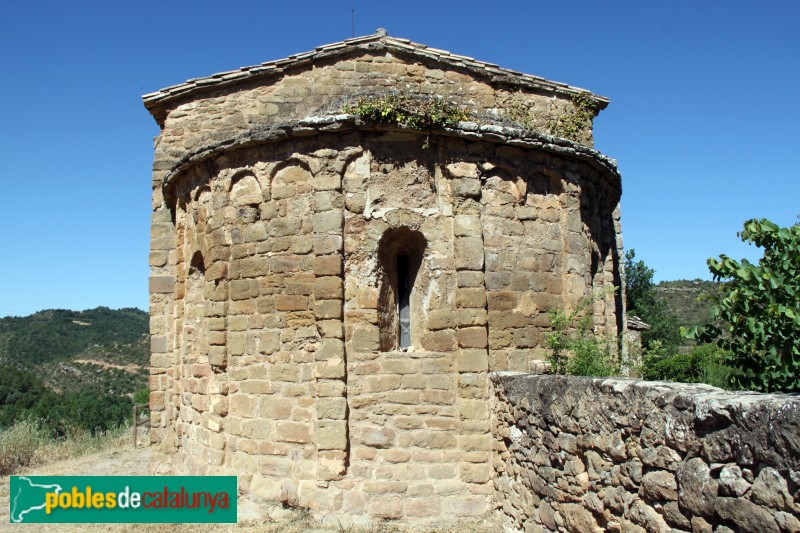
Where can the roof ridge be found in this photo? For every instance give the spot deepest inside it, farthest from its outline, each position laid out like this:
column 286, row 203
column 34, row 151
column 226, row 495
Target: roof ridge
column 494, row 71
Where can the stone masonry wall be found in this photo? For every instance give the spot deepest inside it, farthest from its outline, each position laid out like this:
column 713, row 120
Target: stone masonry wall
column 328, row 296
column 189, row 124
column 582, row 454
column 271, row 306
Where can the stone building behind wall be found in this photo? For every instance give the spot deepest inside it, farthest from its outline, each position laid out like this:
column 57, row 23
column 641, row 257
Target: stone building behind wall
column 329, row 295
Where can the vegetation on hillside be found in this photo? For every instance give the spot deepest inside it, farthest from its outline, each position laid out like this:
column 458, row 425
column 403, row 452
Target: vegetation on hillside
column 60, row 335
column 688, row 300
column 23, row 396
column 99, row 349
column 70, row 372
column 664, row 357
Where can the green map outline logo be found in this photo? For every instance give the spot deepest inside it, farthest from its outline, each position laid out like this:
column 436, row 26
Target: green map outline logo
column 14, row 499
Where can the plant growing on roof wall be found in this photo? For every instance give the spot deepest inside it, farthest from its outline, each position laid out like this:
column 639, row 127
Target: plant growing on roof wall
column 407, row 111
column 574, row 123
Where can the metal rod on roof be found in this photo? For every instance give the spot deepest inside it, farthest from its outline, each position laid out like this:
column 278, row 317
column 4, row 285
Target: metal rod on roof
column 353, row 21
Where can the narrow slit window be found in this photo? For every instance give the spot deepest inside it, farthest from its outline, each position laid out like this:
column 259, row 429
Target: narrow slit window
column 403, row 297
column 400, row 253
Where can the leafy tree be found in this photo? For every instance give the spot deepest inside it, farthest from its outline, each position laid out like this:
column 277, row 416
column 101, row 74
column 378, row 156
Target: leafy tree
column 761, row 305
column 20, row 393
column 643, row 301
column 24, row 396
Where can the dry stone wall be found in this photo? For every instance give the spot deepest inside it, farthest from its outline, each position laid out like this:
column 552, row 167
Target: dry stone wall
column 583, row 454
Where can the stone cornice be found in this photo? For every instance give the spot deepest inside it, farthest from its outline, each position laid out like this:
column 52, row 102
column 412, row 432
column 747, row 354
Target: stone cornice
column 315, row 125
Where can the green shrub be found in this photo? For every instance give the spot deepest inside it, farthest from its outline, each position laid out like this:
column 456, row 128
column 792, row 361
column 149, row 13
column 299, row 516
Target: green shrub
column 21, row 392
column 704, row 364
column 679, row 367
column 408, row 111
column 141, row 396
column 405, row 110
column 575, row 351
column 577, row 121
column 590, row 358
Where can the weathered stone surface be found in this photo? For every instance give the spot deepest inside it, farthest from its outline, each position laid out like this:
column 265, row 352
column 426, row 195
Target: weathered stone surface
column 378, row 438
column 770, row 489
column 547, row 515
column 285, row 241
column 700, row 525
column 674, row 517
column 618, row 445
column 746, row 515
column 162, row 284
column 787, row 522
column 642, row 514
column 332, row 408
column 473, row 360
column 659, row 485
column 731, row 482
column 469, row 253
column 576, row 518
column 463, row 170
column 331, row 434
column 660, row 457
column 697, row 490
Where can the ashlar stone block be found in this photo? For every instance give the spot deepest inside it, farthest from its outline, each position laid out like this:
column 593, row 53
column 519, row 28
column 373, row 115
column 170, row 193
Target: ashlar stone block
column 469, row 253
column 472, row 337
column 331, row 408
column 287, row 431
column 331, row 434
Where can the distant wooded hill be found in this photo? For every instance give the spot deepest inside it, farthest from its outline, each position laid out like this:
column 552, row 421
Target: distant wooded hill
column 72, row 370
column 103, row 349
column 683, row 298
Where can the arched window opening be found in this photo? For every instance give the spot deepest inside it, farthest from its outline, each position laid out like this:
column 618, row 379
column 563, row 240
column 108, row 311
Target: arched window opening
column 400, row 253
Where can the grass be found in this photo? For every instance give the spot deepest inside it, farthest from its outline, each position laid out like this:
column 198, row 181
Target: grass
column 28, row 444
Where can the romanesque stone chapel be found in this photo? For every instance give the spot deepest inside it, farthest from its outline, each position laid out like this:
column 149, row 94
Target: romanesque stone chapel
column 329, row 294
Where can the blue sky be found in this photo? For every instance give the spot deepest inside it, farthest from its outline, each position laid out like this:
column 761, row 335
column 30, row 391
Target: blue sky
column 703, row 119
